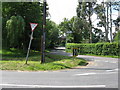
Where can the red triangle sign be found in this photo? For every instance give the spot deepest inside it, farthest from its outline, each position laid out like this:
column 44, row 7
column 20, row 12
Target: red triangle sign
column 33, row 26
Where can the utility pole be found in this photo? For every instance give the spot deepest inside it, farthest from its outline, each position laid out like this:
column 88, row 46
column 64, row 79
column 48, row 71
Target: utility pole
column 43, row 36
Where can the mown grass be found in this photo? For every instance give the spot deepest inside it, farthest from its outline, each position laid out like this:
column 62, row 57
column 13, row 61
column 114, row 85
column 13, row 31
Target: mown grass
column 14, row 59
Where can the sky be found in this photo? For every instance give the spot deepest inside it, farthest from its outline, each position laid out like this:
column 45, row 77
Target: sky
column 60, row 9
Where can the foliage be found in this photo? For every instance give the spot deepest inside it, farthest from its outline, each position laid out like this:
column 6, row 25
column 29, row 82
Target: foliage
column 25, row 10
column 117, row 31
column 81, row 30
column 52, row 34
column 96, row 49
column 98, row 35
column 100, row 10
column 116, row 22
column 81, row 25
column 64, row 25
column 29, row 12
column 15, row 28
column 104, row 13
column 116, row 5
column 78, row 28
column 84, row 12
column 4, row 33
column 117, row 37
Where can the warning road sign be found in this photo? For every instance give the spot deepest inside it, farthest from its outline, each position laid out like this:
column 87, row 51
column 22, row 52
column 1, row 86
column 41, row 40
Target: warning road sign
column 33, row 26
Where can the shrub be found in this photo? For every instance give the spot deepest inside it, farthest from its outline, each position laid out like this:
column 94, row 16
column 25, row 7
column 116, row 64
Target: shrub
column 97, row 49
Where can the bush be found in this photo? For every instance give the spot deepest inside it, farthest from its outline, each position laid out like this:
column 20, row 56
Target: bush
column 96, row 49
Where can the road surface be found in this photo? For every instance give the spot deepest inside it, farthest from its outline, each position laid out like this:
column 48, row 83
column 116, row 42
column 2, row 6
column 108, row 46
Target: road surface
column 102, row 72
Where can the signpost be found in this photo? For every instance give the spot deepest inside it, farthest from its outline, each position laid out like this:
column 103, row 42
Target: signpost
column 33, row 26
column 75, row 52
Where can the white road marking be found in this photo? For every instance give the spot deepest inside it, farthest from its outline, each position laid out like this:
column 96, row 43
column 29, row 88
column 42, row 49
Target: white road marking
column 113, row 61
column 107, row 61
column 116, row 69
column 85, row 74
column 112, row 70
column 109, row 70
column 44, row 86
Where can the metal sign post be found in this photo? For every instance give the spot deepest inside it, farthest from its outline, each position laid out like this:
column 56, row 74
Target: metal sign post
column 31, row 37
column 75, row 52
column 33, row 26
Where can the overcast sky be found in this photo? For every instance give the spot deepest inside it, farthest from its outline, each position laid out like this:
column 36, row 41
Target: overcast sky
column 60, row 9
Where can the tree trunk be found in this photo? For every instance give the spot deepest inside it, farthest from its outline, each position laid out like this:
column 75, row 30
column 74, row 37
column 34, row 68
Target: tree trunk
column 106, row 23
column 111, row 23
column 90, row 22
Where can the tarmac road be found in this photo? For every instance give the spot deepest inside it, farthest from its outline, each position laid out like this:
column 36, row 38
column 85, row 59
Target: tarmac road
column 101, row 72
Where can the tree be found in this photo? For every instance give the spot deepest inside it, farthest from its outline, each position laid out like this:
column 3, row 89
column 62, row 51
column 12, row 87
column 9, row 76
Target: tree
column 65, row 26
column 80, row 30
column 4, row 33
column 15, row 28
column 104, row 13
column 52, row 34
column 30, row 12
column 116, row 5
column 117, row 30
column 0, row 25
column 117, row 37
column 85, row 11
column 101, row 14
column 78, row 27
column 98, row 35
column 111, row 36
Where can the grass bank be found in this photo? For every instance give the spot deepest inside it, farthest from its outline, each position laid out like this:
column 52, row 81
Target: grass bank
column 14, row 59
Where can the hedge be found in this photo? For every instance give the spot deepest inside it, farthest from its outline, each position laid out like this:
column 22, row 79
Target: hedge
column 95, row 48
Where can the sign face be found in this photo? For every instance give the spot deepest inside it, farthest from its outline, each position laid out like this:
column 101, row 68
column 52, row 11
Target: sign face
column 33, row 26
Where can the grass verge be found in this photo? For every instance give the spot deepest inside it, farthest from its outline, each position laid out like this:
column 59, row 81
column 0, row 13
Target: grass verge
column 15, row 60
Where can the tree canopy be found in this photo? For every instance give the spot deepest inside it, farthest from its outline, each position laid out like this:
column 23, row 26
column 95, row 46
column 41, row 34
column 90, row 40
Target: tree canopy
column 16, row 17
